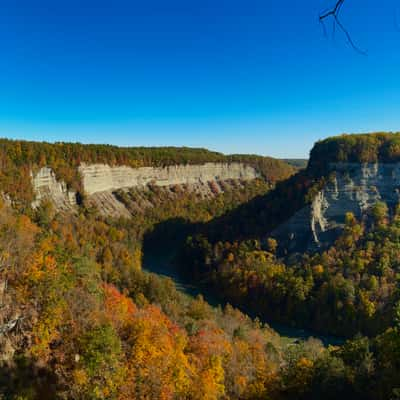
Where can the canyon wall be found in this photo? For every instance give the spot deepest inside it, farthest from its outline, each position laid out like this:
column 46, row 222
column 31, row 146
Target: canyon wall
column 100, row 181
column 353, row 188
column 46, row 186
column 101, row 177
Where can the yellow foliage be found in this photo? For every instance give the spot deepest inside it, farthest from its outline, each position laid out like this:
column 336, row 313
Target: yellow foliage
column 80, row 377
column 231, row 257
column 157, row 364
column 137, row 258
column 305, row 363
column 318, row 269
column 368, row 306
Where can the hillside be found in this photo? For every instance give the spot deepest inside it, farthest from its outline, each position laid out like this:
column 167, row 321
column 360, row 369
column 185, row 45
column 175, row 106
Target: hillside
column 380, row 147
column 80, row 319
column 354, row 172
column 299, row 163
column 306, row 211
column 320, row 250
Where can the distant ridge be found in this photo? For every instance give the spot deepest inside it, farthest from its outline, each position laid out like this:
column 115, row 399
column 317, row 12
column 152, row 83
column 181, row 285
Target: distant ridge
column 19, row 159
column 299, row 163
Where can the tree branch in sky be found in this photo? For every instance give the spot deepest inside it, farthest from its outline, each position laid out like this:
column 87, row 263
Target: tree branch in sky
column 334, row 13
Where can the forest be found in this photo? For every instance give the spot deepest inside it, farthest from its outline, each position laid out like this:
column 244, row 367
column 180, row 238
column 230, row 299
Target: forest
column 350, row 288
column 177, row 221
column 81, row 319
column 91, row 325
column 361, row 148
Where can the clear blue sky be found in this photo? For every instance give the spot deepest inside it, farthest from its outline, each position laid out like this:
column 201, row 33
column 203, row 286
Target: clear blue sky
column 252, row 76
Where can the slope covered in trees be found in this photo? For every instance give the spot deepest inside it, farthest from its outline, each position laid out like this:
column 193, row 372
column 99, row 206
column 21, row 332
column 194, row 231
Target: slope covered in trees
column 80, row 320
column 352, row 287
column 266, row 212
column 78, row 336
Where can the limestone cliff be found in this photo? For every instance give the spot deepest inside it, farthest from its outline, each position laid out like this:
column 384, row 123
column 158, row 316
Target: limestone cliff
column 100, row 177
column 353, row 188
column 46, row 186
column 100, row 181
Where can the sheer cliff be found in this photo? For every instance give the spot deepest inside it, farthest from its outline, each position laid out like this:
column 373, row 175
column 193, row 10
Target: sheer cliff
column 348, row 173
column 351, row 187
column 69, row 174
column 357, row 171
column 101, row 181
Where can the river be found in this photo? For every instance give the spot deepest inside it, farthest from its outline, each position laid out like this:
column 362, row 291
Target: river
column 160, row 263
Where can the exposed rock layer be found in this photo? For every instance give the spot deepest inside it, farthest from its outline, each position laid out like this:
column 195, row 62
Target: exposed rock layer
column 354, row 188
column 100, row 181
column 45, row 185
column 100, row 177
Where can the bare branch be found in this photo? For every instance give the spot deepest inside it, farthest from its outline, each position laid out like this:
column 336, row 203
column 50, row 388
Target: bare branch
column 334, row 11
column 334, row 14
column 349, row 39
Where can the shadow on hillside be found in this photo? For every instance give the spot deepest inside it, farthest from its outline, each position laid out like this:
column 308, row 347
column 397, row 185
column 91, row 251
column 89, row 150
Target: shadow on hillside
column 262, row 214
column 168, row 233
column 23, row 379
column 250, row 220
column 163, row 242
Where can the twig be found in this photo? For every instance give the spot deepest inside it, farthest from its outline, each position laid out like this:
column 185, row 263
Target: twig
column 334, row 14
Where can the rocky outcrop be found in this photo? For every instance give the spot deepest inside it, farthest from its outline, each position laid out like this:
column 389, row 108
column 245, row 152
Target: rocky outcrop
column 100, row 182
column 353, row 188
column 46, row 186
column 108, row 205
column 100, row 177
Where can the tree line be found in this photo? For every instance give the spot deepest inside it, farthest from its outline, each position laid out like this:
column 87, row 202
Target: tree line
column 18, row 159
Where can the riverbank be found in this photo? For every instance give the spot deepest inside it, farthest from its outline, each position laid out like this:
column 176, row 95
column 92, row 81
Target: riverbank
column 160, row 262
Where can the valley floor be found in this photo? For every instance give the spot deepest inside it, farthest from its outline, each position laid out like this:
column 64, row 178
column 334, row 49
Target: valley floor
column 159, row 260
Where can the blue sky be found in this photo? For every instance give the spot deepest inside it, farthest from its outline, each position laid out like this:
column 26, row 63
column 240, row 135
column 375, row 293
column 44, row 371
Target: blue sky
column 255, row 76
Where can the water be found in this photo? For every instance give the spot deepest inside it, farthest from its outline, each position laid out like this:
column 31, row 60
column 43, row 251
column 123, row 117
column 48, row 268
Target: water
column 160, row 262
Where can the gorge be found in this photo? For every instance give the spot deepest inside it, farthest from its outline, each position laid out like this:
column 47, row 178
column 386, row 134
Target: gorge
column 89, row 232
column 99, row 181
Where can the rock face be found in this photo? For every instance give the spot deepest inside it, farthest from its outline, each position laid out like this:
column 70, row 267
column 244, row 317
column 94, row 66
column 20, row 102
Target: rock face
column 100, row 181
column 46, row 186
column 100, row 177
column 354, row 188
